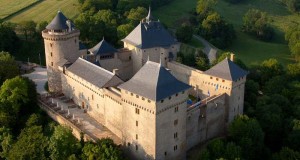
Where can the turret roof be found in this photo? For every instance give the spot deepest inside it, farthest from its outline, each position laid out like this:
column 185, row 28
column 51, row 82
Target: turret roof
column 154, row 82
column 59, row 22
column 102, row 48
column 228, row 70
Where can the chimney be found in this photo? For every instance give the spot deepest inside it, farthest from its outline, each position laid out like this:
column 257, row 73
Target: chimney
column 69, row 24
column 115, row 71
column 232, row 57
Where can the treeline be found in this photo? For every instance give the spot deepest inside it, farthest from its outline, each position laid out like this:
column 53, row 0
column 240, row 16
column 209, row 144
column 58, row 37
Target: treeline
column 270, row 128
column 27, row 132
column 112, row 19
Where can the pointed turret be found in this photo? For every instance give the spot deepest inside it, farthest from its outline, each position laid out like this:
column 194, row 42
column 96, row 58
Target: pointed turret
column 228, row 70
column 59, row 22
column 149, row 17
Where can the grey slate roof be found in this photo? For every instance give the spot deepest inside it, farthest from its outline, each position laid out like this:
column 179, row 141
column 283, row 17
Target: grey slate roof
column 94, row 74
column 103, row 48
column 228, row 70
column 59, row 22
column 150, row 34
column 82, row 46
column 154, row 82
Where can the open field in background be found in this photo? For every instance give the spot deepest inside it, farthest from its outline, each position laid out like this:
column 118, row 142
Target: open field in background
column 8, row 7
column 174, row 12
column 247, row 48
column 46, row 10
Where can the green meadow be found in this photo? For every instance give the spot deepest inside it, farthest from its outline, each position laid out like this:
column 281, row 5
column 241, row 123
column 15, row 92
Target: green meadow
column 246, row 47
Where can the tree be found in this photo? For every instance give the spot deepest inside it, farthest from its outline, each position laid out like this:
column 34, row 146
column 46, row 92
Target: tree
column 28, row 28
column 124, row 30
column 293, row 70
column 235, row 1
column 6, row 140
column 204, row 8
column 270, row 68
column 126, row 5
column 247, row 133
column 15, row 92
column 184, row 33
column 256, row 22
column 202, row 64
column 102, row 150
column 41, row 26
column 292, row 5
column 217, row 31
column 9, row 39
column 8, row 68
column 135, row 15
column 62, row 143
column 286, row 154
column 31, row 144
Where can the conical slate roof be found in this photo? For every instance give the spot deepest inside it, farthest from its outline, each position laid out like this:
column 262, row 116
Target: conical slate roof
column 227, row 70
column 154, row 82
column 59, row 22
column 103, row 48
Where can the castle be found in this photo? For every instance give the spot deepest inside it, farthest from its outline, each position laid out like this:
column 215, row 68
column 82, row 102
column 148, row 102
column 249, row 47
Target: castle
column 139, row 92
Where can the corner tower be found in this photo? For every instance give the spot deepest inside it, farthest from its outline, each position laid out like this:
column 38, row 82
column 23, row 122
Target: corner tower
column 61, row 41
column 155, row 110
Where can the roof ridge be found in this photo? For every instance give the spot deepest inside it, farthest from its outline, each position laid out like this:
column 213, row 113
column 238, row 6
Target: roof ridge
column 88, row 62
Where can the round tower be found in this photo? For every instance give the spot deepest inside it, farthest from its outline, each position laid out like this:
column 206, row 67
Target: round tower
column 61, row 41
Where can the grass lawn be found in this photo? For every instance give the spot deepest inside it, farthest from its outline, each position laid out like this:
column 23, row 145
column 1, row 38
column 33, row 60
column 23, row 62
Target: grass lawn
column 8, row 7
column 177, row 10
column 246, row 47
column 46, row 10
column 196, row 43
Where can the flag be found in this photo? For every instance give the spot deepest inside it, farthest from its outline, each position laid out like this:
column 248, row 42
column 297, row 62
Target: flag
column 208, row 93
column 217, row 86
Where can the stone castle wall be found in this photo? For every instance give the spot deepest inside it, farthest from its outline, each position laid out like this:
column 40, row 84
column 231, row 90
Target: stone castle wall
column 157, row 54
column 206, row 121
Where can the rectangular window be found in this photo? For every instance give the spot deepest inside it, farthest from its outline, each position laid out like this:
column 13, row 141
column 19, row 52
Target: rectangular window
column 136, row 136
column 136, row 123
column 51, row 54
column 175, row 135
column 137, row 111
column 165, row 153
column 136, row 147
column 176, row 109
column 92, row 97
column 175, row 122
column 175, row 147
column 51, row 63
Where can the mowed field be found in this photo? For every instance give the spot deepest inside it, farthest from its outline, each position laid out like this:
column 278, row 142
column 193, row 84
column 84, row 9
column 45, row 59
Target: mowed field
column 247, row 48
column 8, row 7
column 46, row 10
